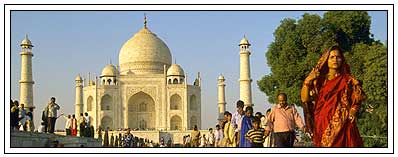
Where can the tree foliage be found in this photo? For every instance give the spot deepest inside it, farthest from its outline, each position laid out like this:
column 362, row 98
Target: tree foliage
column 298, row 44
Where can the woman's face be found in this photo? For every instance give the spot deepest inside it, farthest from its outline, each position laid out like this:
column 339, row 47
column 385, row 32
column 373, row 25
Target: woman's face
column 335, row 60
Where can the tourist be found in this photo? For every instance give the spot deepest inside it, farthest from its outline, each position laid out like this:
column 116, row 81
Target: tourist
column 256, row 134
column 236, row 120
column 188, row 141
column 245, row 127
column 337, row 97
column 112, row 141
column 82, row 125
column 106, row 138
column 219, row 134
column 116, row 144
column 67, row 124
column 258, row 115
column 22, row 118
column 52, row 109
column 282, row 121
column 268, row 139
column 169, row 142
column 229, row 133
column 203, row 141
column 121, row 139
column 128, row 139
column 30, row 125
column 211, row 138
column 73, row 126
column 87, row 120
column 42, row 128
column 184, row 144
column 44, row 119
column 14, row 115
column 195, row 136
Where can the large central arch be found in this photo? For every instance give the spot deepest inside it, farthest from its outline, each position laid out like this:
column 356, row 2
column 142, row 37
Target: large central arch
column 141, row 108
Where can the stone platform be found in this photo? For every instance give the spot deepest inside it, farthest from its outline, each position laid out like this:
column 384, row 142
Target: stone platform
column 21, row 139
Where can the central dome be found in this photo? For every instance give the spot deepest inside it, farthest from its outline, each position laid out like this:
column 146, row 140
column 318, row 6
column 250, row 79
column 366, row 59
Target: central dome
column 144, row 53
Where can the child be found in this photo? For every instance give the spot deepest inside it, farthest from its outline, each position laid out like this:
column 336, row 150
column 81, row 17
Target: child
column 256, row 134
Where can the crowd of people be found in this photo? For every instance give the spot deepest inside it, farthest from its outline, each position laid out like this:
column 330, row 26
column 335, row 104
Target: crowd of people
column 20, row 119
column 331, row 99
column 243, row 129
column 128, row 140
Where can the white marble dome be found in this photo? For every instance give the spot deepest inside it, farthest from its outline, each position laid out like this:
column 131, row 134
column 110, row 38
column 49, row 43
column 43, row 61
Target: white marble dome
column 109, row 70
column 144, row 53
column 175, row 70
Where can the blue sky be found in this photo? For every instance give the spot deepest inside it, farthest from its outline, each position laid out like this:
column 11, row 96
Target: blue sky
column 68, row 43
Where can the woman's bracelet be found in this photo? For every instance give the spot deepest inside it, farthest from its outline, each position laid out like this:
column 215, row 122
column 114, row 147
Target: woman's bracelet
column 306, row 84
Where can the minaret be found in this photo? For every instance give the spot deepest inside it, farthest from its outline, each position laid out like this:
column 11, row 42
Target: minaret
column 245, row 80
column 221, row 98
column 26, row 82
column 79, row 96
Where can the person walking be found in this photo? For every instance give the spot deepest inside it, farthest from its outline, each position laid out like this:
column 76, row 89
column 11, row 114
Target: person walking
column 256, row 134
column 331, row 99
column 236, row 120
column 211, row 138
column 52, row 109
column 195, row 136
column 245, row 127
column 282, row 120
column 67, row 124
column 73, row 126
column 14, row 115
column 30, row 125
column 22, row 118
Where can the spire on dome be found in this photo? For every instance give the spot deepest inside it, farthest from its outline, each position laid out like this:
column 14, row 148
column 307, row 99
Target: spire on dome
column 145, row 21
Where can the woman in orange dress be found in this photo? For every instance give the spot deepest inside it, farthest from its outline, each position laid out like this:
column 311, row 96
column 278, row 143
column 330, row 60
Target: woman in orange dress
column 331, row 98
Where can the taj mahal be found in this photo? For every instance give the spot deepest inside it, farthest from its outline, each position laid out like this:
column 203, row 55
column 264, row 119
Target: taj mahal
column 145, row 92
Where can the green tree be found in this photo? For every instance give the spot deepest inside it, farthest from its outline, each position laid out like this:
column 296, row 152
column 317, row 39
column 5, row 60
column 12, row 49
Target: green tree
column 374, row 123
column 298, row 44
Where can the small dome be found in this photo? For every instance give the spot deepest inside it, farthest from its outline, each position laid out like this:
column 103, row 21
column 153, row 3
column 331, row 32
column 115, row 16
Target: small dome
column 78, row 78
column 244, row 41
column 109, row 70
column 175, row 70
column 26, row 42
column 221, row 77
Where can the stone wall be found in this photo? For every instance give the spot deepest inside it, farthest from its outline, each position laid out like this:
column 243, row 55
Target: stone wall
column 35, row 139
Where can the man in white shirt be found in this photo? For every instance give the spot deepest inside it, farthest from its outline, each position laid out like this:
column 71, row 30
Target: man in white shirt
column 210, row 138
column 67, row 124
column 236, row 119
column 87, row 119
column 219, row 134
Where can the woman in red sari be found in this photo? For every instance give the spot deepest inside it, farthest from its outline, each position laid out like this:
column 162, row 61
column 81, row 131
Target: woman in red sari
column 331, row 99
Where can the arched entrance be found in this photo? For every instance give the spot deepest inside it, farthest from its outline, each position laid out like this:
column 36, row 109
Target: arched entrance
column 106, row 122
column 175, row 123
column 141, row 106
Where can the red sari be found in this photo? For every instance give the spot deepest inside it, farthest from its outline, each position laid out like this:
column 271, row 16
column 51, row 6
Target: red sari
column 336, row 97
column 73, row 127
column 326, row 114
